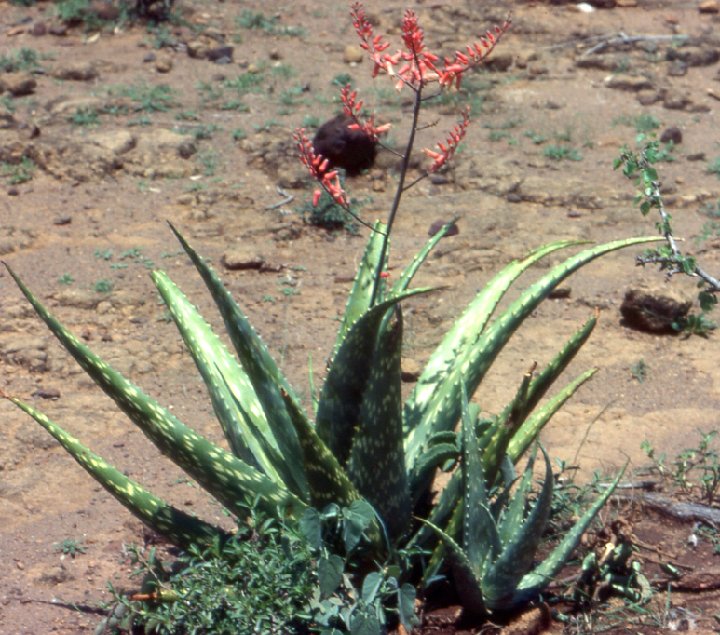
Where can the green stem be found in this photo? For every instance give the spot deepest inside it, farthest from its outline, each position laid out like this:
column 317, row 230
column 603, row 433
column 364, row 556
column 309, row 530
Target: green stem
column 404, row 164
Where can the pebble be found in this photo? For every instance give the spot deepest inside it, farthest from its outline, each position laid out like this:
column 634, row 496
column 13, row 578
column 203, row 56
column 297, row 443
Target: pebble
column 628, row 82
column 18, row 84
column 353, row 54
column 709, row 6
column 673, row 134
column 163, row 64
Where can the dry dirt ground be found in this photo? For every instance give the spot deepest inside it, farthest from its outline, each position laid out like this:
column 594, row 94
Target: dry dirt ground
column 115, row 131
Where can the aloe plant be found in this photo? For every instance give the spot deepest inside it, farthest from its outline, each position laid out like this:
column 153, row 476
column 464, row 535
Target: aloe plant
column 495, row 564
column 366, row 443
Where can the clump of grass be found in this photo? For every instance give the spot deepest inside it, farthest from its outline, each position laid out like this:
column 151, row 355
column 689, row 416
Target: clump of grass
column 257, row 20
column 17, row 173
column 560, row 153
column 24, row 59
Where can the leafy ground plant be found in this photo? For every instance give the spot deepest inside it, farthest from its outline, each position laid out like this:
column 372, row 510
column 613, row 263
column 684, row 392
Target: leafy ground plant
column 257, row 582
column 365, row 447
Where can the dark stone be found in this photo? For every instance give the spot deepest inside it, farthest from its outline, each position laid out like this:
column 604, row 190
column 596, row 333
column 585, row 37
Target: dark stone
column 353, row 150
column 671, row 134
column 438, row 225
column 221, row 54
column 652, row 313
column 39, row 29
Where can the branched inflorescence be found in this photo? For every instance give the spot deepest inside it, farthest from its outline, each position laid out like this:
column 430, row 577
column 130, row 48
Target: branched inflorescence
column 413, row 66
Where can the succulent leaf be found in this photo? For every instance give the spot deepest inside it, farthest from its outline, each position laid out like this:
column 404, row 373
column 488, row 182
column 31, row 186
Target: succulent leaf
column 361, row 294
column 267, row 379
column 232, row 394
column 468, row 364
column 342, row 393
column 181, row 528
column 376, row 465
column 232, row 481
column 501, row 577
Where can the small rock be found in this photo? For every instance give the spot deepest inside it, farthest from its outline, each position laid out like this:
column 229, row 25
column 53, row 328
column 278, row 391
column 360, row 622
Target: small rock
column 197, row 50
column 13, row 191
column 499, row 62
column 628, row 82
column 240, row 260
column 64, row 104
column 652, row 313
column 104, row 10
column 649, row 97
column 438, row 225
column 163, row 64
column 221, row 54
column 46, row 393
column 117, row 141
column 39, row 28
column 353, row 150
column 673, row 101
column 63, row 219
column 275, row 55
column 673, row 134
column 694, row 55
column 75, row 71
column 59, row 30
column 709, row 6
column 626, row 3
column 353, row 54
column 18, row 84
column 149, row 57
column 411, row 370
column 678, row 68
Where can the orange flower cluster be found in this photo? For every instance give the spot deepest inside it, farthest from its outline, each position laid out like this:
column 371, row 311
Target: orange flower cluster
column 447, row 149
column 417, row 66
column 352, row 107
column 318, row 167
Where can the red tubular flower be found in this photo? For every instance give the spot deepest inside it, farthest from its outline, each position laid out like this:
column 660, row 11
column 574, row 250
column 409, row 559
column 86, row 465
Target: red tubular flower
column 352, row 107
column 318, row 165
column 452, row 71
column 417, row 66
column 447, row 149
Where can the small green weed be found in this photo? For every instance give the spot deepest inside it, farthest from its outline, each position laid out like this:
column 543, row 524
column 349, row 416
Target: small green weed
column 638, row 370
column 259, row 581
column 694, row 470
column 103, row 286
column 239, row 134
column 70, row 547
column 259, row 21
column 341, row 80
column 66, row 279
column 209, row 162
column 536, row 137
column 714, row 167
column 24, row 59
column 17, row 173
column 85, row 117
column 560, row 153
column 329, row 215
column 147, row 98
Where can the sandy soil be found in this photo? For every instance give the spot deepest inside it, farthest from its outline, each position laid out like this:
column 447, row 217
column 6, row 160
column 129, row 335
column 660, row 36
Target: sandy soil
column 116, row 155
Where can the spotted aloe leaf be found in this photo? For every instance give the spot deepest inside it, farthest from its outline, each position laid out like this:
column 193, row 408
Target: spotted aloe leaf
column 409, row 272
column 180, row 527
column 230, row 480
column 376, row 464
column 361, row 294
column 464, row 357
column 267, row 379
column 342, row 393
column 544, row 573
column 502, row 576
column 233, row 397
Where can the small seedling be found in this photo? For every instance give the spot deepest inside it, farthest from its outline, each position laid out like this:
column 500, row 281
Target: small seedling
column 559, row 153
column 103, row 286
column 639, row 370
column 17, row 173
column 66, row 279
column 70, row 547
column 104, row 254
column 714, row 167
column 85, row 117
